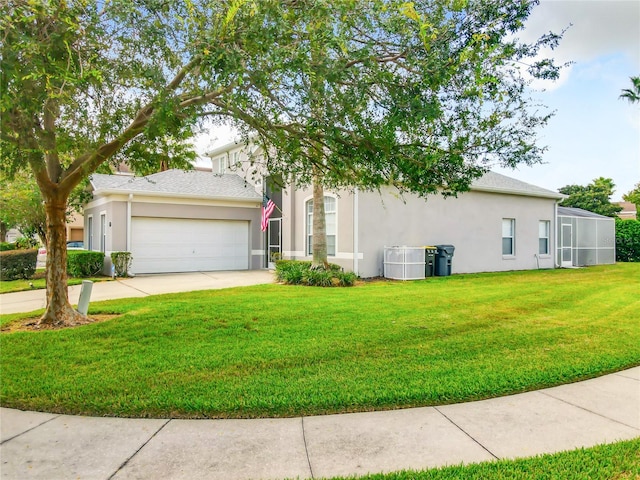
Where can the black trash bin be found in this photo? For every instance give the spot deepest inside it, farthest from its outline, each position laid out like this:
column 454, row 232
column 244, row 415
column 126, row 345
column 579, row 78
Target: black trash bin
column 443, row 260
column 430, row 261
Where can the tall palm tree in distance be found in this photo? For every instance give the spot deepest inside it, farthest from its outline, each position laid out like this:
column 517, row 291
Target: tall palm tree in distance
column 632, row 94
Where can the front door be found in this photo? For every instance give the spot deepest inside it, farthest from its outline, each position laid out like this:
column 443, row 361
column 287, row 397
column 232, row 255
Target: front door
column 566, row 251
column 274, row 243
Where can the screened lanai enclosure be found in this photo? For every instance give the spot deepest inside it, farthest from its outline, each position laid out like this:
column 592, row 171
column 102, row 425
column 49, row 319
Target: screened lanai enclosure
column 584, row 238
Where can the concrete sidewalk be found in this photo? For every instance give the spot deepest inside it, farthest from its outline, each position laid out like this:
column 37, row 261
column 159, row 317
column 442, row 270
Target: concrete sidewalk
column 140, row 286
column 51, row 447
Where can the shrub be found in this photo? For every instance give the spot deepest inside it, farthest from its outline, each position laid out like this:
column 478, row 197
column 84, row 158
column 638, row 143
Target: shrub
column 26, row 242
column 296, row 272
column 627, row 240
column 121, row 263
column 15, row 264
column 6, row 246
column 83, row 263
column 347, row 279
column 318, row 278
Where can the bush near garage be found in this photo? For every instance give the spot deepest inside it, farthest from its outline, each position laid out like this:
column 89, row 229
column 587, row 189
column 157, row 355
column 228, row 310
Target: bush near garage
column 17, row 264
column 296, row 272
column 121, row 263
column 627, row 240
column 84, row 263
column 6, row 246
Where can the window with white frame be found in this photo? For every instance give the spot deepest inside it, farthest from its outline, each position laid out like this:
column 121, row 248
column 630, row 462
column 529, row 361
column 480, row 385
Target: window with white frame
column 103, row 232
column 508, row 236
column 543, row 237
column 219, row 164
column 90, row 232
column 330, row 215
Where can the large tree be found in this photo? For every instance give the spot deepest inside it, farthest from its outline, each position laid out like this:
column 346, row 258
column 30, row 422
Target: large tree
column 594, row 197
column 422, row 95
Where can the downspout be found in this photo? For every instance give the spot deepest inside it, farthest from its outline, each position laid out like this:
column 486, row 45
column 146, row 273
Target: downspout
column 556, row 237
column 355, row 231
column 129, row 222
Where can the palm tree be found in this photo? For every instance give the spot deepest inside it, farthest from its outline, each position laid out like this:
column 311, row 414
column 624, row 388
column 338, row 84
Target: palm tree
column 632, row 94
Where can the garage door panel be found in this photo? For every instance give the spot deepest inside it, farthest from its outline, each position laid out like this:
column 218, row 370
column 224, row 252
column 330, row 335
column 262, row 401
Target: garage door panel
column 179, row 245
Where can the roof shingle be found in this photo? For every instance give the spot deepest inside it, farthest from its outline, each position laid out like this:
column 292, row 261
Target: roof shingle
column 178, row 182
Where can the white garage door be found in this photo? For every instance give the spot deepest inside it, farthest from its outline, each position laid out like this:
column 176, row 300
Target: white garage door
column 177, row 245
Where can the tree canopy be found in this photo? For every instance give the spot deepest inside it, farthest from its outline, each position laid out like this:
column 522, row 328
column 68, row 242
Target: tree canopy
column 594, row 197
column 423, row 95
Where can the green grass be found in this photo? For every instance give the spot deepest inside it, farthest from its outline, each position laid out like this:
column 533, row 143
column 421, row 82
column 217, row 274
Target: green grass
column 39, row 282
column 619, row 461
column 275, row 350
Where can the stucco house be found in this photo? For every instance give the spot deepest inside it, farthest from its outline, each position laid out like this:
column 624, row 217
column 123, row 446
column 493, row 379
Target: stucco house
column 178, row 221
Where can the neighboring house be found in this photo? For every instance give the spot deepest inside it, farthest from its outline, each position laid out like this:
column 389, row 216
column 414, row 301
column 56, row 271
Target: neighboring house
column 585, row 238
column 197, row 221
column 74, row 227
column 628, row 211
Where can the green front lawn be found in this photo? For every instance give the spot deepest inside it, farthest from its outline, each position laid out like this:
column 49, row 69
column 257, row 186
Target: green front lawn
column 275, row 350
column 616, row 461
column 39, row 282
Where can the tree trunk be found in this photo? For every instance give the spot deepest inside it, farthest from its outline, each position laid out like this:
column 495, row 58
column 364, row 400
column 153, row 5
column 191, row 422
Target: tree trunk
column 3, row 232
column 319, row 238
column 58, row 311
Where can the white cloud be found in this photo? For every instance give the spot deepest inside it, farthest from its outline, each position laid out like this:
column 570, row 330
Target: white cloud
column 598, row 27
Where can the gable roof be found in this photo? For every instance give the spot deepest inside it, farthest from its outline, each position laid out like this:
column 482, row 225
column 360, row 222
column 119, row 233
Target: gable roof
column 578, row 212
column 497, row 183
column 178, row 183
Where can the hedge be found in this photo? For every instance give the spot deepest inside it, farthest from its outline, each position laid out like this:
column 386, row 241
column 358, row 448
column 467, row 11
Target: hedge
column 6, row 246
column 16, row 264
column 84, row 263
column 627, row 240
column 296, row 272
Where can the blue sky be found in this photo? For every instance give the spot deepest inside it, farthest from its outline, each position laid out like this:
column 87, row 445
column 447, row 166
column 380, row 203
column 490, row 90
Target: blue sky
column 593, row 133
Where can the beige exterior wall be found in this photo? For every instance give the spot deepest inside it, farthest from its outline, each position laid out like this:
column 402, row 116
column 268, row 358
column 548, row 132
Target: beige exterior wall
column 472, row 223
column 294, row 226
column 115, row 207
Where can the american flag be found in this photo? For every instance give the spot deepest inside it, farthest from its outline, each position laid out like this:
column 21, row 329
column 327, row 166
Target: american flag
column 267, row 209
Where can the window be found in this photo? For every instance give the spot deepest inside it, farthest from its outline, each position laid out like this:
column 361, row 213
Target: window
column 508, row 236
column 90, row 232
column 330, row 216
column 543, row 237
column 219, row 164
column 103, row 232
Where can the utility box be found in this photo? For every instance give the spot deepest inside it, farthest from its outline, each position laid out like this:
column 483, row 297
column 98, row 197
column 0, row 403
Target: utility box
column 443, row 260
column 404, row 263
column 430, row 261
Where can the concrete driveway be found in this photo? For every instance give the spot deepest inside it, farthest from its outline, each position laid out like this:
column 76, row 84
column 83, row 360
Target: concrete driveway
column 140, row 286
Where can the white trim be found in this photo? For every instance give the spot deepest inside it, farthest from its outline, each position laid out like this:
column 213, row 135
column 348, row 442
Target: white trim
column 339, row 255
column 356, row 245
column 172, row 195
column 90, row 232
column 522, row 193
column 103, row 232
column 257, row 253
column 129, row 200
